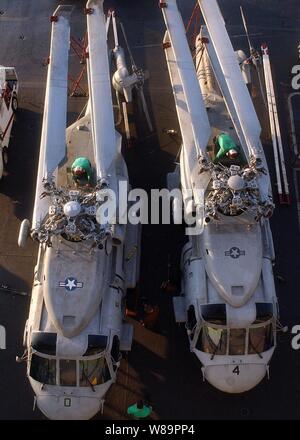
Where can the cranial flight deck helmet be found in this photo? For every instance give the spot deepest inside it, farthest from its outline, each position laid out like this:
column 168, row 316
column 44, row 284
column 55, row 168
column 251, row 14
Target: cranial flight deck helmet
column 232, row 154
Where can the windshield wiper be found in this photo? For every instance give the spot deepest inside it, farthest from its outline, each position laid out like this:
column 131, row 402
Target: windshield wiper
column 255, row 349
column 44, row 378
column 216, row 349
column 48, row 374
column 90, row 383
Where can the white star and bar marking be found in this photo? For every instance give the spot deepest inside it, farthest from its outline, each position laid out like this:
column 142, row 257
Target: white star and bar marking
column 235, row 253
column 71, row 284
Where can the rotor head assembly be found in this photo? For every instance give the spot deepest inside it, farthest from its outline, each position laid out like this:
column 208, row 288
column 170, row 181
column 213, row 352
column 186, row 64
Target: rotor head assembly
column 74, row 215
column 235, row 190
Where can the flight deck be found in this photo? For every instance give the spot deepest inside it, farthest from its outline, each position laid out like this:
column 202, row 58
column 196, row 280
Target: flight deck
column 160, row 363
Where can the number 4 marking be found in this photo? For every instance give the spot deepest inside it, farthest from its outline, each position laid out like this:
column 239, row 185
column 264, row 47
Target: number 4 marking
column 236, row 370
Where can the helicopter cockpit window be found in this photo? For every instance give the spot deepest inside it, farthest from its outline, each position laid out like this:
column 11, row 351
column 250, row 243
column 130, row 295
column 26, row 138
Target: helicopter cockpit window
column 44, row 342
column 214, row 313
column 191, row 318
column 212, row 340
column 67, row 372
column 264, row 312
column 260, row 339
column 93, row 372
column 10, row 75
column 237, row 340
column 96, row 344
column 115, row 350
column 43, row 370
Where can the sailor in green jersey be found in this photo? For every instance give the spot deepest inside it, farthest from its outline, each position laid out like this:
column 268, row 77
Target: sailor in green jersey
column 139, row 410
column 226, row 147
column 82, row 171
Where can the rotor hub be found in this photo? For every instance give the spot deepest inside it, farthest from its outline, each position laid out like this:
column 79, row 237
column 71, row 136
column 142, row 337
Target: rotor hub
column 72, row 208
column 236, row 183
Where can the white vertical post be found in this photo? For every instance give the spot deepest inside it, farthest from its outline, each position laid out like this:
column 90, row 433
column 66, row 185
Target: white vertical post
column 274, row 121
column 2, row 338
column 273, row 129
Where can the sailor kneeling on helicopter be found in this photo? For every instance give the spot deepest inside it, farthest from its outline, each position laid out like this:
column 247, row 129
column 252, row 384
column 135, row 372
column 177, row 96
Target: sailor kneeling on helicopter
column 226, row 148
column 82, row 171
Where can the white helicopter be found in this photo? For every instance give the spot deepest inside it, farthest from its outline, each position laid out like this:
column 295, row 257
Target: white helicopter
column 228, row 298
column 76, row 328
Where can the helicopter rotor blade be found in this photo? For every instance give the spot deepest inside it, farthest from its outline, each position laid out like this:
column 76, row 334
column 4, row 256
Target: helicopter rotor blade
column 101, row 107
column 256, row 59
column 180, row 56
column 237, row 88
column 53, row 138
column 232, row 74
column 246, row 29
column 133, row 65
column 57, row 92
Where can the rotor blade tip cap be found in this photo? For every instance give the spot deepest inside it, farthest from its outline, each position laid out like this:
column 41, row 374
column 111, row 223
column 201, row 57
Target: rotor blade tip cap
column 63, row 11
column 93, row 3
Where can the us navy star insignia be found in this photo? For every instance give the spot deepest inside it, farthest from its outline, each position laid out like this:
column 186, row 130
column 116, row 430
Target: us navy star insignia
column 71, row 284
column 235, row 253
